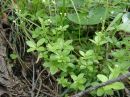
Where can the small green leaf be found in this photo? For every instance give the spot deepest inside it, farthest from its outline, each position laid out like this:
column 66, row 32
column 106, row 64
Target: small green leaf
column 115, row 73
column 107, row 87
column 109, row 92
column 63, row 81
column 63, row 68
column 82, row 80
column 89, row 53
column 40, row 42
column 95, row 83
column 46, row 64
column 83, row 62
column 40, row 55
column 74, row 86
column 80, row 76
column 66, row 52
column 102, row 77
column 71, row 65
column 74, row 77
column 82, row 53
column 100, row 92
column 41, row 20
column 40, row 49
column 53, row 69
column 13, row 56
column 118, row 86
column 31, row 44
column 68, row 42
column 117, row 18
column 81, row 87
column 31, row 49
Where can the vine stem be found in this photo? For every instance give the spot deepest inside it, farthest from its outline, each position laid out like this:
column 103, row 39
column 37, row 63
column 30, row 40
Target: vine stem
column 87, row 91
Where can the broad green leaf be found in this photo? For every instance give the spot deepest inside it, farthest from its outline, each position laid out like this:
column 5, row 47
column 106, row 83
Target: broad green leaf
column 95, row 16
column 40, row 42
column 100, row 92
column 77, row 3
column 117, row 86
column 102, row 77
column 31, row 44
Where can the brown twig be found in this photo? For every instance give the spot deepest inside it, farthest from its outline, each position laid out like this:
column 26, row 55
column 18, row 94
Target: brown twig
column 127, row 92
column 33, row 79
column 39, row 89
column 85, row 92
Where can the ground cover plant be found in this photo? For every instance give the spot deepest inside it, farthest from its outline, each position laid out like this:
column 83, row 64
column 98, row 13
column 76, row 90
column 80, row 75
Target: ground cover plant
column 79, row 43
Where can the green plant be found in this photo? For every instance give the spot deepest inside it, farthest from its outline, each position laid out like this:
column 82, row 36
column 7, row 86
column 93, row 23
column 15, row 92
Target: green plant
column 58, row 31
column 13, row 56
column 59, row 59
column 79, row 82
column 36, row 46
